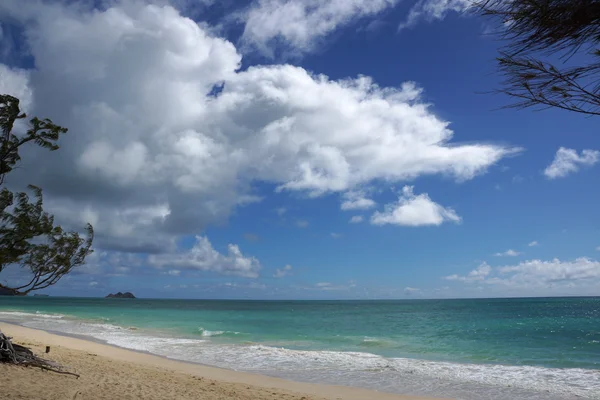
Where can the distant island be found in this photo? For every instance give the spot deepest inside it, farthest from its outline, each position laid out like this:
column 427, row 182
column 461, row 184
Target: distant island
column 40, row 295
column 126, row 295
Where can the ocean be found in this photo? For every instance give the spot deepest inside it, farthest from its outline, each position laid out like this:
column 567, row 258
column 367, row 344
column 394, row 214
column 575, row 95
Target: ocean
column 496, row 349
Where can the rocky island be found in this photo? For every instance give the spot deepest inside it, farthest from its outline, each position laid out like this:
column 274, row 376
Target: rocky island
column 119, row 295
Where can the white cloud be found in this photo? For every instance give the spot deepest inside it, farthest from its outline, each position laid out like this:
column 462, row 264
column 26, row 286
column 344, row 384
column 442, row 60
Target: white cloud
column 174, row 272
column 478, row 274
column 156, row 157
column 508, row 253
column 538, row 274
column 281, row 272
column 280, row 211
column 356, row 200
column 567, row 161
column 15, row 81
column 414, row 210
column 431, row 10
column 533, row 244
column 336, row 235
column 301, row 24
column 598, row 248
column 538, row 271
column 357, row 219
column 203, row 257
column 411, row 290
column 327, row 286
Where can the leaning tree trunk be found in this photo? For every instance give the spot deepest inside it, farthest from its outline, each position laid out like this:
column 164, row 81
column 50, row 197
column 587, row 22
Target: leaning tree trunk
column 12, row 353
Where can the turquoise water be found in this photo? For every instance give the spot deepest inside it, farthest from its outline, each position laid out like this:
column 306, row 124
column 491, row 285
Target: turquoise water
column 498, row 348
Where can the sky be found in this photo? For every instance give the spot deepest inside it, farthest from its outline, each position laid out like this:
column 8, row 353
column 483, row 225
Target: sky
column 298, row 149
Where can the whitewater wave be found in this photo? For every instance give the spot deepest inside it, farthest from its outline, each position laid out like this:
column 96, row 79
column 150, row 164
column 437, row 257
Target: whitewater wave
column 376, row 342
column 207, row 333
column 37, row 314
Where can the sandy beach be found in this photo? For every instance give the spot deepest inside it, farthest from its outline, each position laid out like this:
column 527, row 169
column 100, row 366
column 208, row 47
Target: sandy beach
column 109, row 373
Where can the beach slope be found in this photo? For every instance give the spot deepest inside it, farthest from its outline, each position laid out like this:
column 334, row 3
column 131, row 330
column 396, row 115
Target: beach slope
column 109, row 373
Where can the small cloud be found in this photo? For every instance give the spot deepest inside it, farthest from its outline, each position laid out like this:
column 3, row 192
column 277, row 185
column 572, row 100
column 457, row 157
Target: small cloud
column 327, row 286
column 122, row 270
column 356, row 200
column 301, row 223
column 478, row 274
column 174, row 272
column 497, row 187
column 248, row 199
column 567, row 161
column 93, row 283
column 280, row 211
column 251, row 237
column 598, row 248
column 336, row 235
column 533, row 244
column 517, row 179
column 256, row 285
column 357, row 219
column 508, row 253
column 414, row 210
column 411, row 290
column 281, row 272
column 373, row 26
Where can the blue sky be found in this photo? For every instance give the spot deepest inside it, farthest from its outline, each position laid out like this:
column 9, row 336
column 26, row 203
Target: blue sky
column 256, row 189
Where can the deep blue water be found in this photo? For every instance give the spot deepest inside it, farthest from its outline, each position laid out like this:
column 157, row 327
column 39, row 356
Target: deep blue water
column 546, row 343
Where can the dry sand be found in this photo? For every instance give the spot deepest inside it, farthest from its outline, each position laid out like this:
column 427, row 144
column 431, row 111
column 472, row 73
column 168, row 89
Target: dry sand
column 111, row 373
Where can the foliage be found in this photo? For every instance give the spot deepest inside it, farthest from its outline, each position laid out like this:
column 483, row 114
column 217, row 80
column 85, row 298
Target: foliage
column 28, row 236
column 536, row 30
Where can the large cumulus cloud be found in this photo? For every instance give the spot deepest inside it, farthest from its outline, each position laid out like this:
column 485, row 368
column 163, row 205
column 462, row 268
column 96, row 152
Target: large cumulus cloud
column 168, row 134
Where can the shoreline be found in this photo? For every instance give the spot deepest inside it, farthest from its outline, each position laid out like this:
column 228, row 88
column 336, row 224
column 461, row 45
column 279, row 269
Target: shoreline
column 226, row 379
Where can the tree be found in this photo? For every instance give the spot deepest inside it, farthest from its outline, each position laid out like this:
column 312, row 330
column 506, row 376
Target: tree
column 28, row 236
column 536, row 30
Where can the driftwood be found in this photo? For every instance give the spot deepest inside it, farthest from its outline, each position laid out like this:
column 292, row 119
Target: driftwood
column 12, row 353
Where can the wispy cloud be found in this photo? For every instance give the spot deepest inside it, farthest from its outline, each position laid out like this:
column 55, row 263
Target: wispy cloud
column 328, row 286
column 298, row 26
column 251, row 237
column 533, row 244
column 507, row 253
column 478, row 274
column 432, row 10
column 282, row 272
column 357, row 219
column 301, row 223
column 536, row 273
column 409, row 291
column 356, row 200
